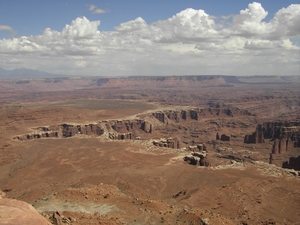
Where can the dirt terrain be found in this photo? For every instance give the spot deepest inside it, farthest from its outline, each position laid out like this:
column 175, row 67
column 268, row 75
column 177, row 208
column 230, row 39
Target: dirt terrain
column 153, row 151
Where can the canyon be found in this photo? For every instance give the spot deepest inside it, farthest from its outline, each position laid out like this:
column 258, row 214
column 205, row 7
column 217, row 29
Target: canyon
column 150, row 150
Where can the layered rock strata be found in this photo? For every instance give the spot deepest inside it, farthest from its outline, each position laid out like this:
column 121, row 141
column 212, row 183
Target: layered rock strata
column 197, row 114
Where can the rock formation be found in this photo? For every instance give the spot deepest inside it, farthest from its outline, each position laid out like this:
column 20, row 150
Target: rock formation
column 255, row 137
column 122, row 129
column 160, row 116
column 69, row 130
column 19, row 212
column 191, row 160
column 118, row 136
column 225, row 137
column 131, row 125
column 48, row 134
column 173, row 115
column 282, row 146
column 168, row 143
column 289, row 130
column 197, row 113
column 286, row 136
column 292, row 163
column 196, row 158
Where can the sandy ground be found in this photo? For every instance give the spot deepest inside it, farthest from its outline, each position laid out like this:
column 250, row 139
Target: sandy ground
column 93, row 180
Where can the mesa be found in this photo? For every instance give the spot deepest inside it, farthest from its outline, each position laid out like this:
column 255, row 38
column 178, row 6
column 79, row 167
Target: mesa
column 149, row 150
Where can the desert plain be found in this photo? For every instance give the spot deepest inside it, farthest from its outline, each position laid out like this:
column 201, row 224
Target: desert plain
column 153, row 150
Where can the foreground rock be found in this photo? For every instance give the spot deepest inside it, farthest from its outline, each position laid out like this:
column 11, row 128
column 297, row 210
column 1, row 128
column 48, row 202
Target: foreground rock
column 17, row 212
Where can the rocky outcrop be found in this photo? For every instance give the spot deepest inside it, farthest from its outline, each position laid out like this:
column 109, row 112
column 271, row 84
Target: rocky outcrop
column 131, row 125
column 123, row 136
column 69, row 130
column 282, row 146
column 255, row 137
column 191, row 160
column 196, row 158
column 49, row 134
column 225, row 137
column 168, row 143
column 173, row 115
column 202, row 147
column 17, row 212
column 288, row 130
column 292, row 163
column 197, row 113
column 63, row 130
column 128, row 129
column 198, row 148
column 122, row 129
column 204, row 161
column 160, row 116
column 285, row 161
column 286, row 137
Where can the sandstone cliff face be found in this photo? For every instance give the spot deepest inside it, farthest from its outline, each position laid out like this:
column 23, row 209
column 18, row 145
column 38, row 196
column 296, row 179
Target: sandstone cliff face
column 160, row 116
column 289, row 130
column 48, row 134
column 69, row 130
column 131, row 125
column 63, row 130
column 173, row 115
column 196, row 114
column 128, row 129
column 292, row 163
column 120, row 129
column 286, row 137
column 256, row 137
column 283, row 145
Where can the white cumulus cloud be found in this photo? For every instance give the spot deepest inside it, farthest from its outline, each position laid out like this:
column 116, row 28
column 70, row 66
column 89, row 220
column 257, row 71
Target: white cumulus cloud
column 95, row 10
column 190, row 42
column 187, row 25
column 5, row 27
column 133, row 25
column 249, row 23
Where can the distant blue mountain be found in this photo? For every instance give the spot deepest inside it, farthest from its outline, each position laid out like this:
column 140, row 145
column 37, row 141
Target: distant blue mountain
column 26, row 73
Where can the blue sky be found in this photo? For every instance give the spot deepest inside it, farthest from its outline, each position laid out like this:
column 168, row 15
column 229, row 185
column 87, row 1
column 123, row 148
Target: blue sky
column 31, row 17
column 113, row 31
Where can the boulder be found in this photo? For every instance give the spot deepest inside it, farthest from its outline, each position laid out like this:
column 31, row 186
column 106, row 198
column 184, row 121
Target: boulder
column 224, row 137
column 204, row 162
column 18, row 212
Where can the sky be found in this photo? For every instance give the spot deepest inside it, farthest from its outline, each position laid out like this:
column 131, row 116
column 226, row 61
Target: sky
column 158, row 37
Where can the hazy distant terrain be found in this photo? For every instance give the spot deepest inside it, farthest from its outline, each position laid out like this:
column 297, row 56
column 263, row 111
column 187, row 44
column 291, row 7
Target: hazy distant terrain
column 25, row 73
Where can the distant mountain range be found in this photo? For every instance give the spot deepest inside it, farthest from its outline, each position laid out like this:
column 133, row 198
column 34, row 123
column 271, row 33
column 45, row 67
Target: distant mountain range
column 26, row 73
column 166, row 81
